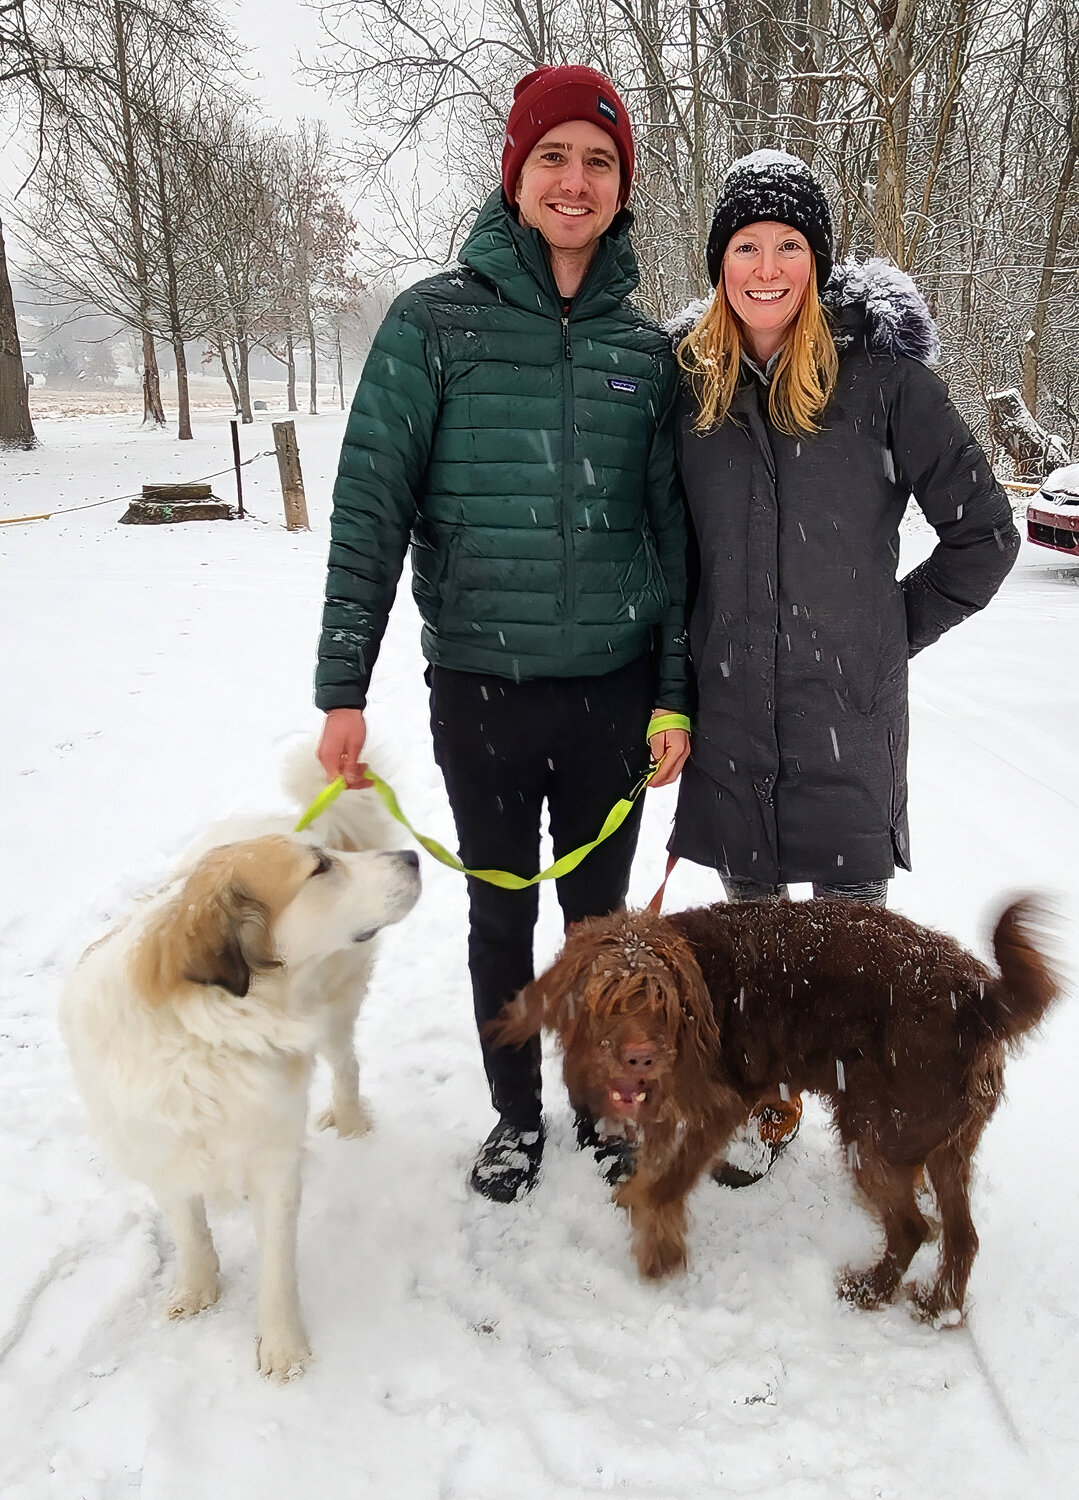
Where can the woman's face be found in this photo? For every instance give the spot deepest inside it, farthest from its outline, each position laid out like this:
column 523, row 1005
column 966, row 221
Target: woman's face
column 766, row 271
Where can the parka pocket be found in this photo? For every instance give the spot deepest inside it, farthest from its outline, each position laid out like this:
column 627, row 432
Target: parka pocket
column 646, row 592
column 450, row 587
column 898, row 808
column 434, row 568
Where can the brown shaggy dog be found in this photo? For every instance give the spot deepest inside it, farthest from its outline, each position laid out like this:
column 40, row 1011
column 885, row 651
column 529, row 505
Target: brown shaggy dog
column 672, row 1029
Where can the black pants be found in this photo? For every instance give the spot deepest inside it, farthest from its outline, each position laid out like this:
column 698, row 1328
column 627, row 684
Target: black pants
column 504, row 748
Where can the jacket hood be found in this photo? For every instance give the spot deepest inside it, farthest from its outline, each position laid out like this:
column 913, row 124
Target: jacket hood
column 514, row 259
column 874, row 301
column 870, row 302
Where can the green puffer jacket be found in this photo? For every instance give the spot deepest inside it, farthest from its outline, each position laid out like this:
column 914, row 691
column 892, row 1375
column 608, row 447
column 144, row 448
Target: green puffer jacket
column 529, row 458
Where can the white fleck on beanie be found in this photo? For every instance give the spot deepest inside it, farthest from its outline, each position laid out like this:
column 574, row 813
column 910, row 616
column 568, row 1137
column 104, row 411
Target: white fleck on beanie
column 772, row 185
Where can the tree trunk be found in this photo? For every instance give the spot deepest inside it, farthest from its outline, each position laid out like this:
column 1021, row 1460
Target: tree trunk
column 227, row 370
column 738, row 75
column 340, row 371
column 290, row 350
column 1032, row 344
column 897, row 24
column 770, row 63
column 663, row 182
column 243, row 377
column 152, row 409
column 16, row 428
column 955, row 65
column 810, row 61
column 701, row 204
column 183, row 399
column 183, row 394
column 312, row 397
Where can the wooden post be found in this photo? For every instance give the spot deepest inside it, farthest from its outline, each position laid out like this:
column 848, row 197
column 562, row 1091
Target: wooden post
column 288, row 465
column 236, row 464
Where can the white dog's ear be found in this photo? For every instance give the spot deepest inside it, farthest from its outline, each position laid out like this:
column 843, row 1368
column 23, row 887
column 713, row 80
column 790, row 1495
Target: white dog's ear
column 228, row 939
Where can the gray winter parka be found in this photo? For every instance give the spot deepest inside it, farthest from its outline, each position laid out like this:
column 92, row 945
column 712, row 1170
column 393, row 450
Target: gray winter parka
column 800, row 632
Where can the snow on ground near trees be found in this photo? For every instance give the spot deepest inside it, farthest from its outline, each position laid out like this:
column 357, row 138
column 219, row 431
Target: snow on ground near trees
column 469, row 1351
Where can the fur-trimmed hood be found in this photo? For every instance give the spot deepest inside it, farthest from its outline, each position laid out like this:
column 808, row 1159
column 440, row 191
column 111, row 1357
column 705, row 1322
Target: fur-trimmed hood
column 869, row 300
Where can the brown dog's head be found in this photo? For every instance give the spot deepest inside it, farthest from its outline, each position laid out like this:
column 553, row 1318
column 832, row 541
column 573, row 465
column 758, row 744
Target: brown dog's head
column 632, row 1014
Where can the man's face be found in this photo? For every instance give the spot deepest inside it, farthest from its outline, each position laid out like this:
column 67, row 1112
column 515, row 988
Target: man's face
column 568, row 187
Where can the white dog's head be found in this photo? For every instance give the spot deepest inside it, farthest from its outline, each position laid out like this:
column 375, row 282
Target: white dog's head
column 271, row 903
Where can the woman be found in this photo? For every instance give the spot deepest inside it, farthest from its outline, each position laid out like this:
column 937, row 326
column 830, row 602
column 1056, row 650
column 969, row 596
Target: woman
column 809, row 417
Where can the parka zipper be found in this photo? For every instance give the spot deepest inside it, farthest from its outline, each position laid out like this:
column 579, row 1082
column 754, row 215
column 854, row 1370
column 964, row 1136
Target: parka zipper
column 567, row 478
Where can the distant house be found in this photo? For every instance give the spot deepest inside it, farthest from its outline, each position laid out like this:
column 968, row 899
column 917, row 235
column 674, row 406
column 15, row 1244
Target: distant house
column 34, row 367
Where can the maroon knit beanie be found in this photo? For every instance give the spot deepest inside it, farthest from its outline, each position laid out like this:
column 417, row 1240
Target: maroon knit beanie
column 549, row 97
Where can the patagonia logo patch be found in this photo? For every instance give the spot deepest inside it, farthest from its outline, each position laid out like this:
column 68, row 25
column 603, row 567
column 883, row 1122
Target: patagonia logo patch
column 629, row 386
column 607, row 109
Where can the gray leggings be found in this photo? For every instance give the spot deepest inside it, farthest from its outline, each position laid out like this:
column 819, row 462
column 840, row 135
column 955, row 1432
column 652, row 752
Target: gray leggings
column 868, row 892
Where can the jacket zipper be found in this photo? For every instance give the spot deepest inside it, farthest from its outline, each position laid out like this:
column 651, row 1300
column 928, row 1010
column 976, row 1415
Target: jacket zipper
column 567, row 481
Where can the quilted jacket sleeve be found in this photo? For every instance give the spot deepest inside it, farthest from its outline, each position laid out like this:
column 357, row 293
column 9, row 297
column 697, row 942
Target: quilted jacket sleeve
column 667, row 519
column 938, row 459
column 383, row 459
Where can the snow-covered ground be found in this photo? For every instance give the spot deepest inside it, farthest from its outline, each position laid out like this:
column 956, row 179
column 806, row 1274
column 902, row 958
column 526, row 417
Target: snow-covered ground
column 467, row 1351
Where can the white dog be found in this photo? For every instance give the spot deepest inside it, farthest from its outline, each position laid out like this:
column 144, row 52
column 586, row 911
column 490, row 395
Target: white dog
column 193, row 1025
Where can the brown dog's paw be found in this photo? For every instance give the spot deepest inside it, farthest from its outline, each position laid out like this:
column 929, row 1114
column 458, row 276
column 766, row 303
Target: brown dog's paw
column 656, row 1261
column 931, row 1304
column 659, row 1252
column 867, row 1289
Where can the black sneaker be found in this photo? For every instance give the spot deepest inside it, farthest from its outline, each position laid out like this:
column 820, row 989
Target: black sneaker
column 615, row 1156
column 508, row 1165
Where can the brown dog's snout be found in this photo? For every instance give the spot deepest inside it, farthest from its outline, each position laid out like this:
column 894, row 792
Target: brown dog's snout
column 640, row 1057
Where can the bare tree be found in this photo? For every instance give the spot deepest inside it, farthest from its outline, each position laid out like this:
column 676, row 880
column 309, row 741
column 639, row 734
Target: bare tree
column 29, row 71
column 108, row 211
column 945, row 129
column 233, row 168
column 1064, row 111
column 16, row 428
column 317, row 241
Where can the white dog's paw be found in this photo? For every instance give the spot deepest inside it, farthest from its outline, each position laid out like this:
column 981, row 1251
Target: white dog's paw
column 282, row 1354
column 187, row 1300
column 349, row 1121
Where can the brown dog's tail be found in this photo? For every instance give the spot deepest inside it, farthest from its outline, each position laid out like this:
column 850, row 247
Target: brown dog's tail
column 1028, row 983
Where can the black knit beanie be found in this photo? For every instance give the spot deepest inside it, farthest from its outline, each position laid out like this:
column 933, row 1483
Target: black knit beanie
column 771, row 185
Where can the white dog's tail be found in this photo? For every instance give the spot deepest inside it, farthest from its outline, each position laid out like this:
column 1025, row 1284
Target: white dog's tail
column 353, row 822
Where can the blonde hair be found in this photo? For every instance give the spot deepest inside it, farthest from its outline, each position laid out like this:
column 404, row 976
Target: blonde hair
column 804, row 379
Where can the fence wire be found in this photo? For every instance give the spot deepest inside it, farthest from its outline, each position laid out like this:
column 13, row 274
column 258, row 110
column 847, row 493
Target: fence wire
column 69, row 510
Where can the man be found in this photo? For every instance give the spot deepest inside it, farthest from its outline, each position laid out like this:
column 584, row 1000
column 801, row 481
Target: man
column 512, row 420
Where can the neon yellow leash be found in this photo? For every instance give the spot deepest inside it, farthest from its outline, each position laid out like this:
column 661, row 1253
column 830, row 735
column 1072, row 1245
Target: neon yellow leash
column 504, row 878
